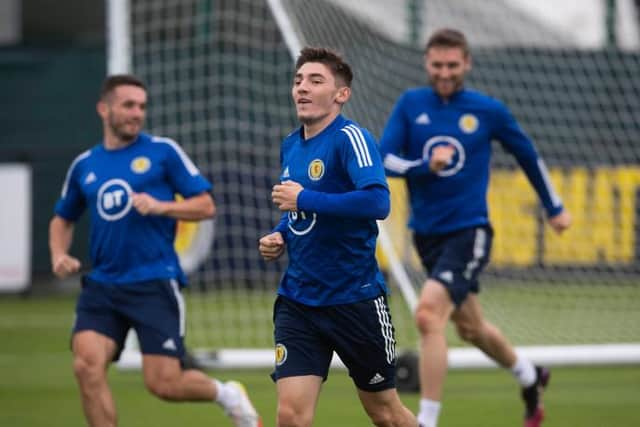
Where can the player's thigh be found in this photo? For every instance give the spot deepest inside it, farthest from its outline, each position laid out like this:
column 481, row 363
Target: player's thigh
column 160, row 369
column 92, row 352
column 298, row 397
column 468, row 317
column 300, row 346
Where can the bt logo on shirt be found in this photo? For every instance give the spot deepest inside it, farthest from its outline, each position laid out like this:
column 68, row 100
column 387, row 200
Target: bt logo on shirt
column 114, row 199
column 457, row 161
column 301, row 222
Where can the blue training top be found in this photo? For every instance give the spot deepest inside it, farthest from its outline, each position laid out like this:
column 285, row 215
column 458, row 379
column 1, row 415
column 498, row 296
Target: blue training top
column 127, row 247
column 332, row 254
column 455, row 197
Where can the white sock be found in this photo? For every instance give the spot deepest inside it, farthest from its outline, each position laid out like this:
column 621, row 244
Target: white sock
column 429, row 412
column 226, row 397
column 524, row 371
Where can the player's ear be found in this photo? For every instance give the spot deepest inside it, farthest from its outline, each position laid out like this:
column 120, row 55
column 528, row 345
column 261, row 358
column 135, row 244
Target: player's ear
column 101, row 108
column 343, row 95
column 467, row 63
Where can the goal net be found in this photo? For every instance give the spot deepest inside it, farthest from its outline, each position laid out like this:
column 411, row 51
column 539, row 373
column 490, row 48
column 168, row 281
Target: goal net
column 219, row 75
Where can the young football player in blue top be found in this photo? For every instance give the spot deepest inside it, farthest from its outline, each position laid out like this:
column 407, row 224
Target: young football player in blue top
column 439, row 139
column 128, row 184
column 332, row 296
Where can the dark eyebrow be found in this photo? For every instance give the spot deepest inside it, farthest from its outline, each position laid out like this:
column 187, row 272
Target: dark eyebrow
column 312, row 75
column 447, row 63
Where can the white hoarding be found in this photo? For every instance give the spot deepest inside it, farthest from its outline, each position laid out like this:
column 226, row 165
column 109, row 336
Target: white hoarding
column 15, row 227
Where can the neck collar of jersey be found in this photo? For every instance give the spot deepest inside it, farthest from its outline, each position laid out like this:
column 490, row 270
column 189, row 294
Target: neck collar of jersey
column 457, row 94
column 124, row 147
column 337, row 122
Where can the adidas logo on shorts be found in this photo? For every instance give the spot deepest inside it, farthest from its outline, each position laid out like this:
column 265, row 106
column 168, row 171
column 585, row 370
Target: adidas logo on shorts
column 446, row 276
column 377, row 378
column 169, row 344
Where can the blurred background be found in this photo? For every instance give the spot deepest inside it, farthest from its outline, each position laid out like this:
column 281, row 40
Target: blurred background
column 219, row 74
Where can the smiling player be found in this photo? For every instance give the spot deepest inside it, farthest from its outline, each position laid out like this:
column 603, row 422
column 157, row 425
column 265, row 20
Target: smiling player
column 128, row 183
column 439, row 139
column 332, row 296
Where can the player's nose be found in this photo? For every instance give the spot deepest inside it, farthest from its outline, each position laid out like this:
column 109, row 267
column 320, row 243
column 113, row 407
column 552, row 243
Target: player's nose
column 303, row 87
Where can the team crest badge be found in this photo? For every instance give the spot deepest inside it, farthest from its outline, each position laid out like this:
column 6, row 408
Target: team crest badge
column 281, row 354
column 316, row 169
column 140, row 164
column 468, row 123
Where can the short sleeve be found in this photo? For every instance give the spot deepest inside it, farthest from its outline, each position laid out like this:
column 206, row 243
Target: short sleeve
column 183, row 174
column 72, row 203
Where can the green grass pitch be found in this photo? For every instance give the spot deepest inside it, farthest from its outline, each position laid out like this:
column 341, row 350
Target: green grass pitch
column 37, row 387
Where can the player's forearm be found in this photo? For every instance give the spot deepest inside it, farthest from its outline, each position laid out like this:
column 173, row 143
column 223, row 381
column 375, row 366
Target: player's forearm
column 194, row 208
column 538, row 176
column 60, row 236
column 369, row 203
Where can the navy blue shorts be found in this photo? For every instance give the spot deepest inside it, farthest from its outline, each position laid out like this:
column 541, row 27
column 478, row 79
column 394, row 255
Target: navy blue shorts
column 456, row 259
column 360, row 333
column 154, row 309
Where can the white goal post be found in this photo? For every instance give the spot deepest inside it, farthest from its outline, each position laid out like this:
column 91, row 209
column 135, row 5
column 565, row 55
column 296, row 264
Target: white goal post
column 219, row 79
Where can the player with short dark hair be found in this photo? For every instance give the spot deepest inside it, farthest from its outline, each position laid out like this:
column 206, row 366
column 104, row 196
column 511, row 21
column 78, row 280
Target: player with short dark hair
column 128, row 184
column 332, row 296
column 439, row 139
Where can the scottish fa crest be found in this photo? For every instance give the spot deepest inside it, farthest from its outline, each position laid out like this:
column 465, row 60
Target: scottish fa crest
column 468, row 123
column 281, row 354
column 316, row 169
column 140, row 164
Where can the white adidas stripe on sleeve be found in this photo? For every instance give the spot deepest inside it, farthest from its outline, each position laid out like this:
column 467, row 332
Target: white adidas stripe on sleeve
column 398, row 164
column 359, row 145
column 186, row 161
column 65, row 186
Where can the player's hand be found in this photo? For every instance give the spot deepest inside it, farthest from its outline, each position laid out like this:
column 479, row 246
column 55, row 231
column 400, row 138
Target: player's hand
column 441, row 157
column 64, row 265
column 560, row 222
column 271, row 246
column 146, row 204
column 285, row 195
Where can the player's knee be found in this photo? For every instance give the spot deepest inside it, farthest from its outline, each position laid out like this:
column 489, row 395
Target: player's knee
column 88, row 371
column 289, row 416
column 381, row 419
column 161, row 388
column 468, row 332
column 389, row 412
column 389, row 415
column 427, row 319
column 381, row 416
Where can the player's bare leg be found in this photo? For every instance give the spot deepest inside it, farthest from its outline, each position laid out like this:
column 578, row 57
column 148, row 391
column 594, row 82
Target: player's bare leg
column 297, row 400
column 92, row 354
column 475, row 329
column 165, row 378
column 434, row 310
column 433, row 313
column 386, row 410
